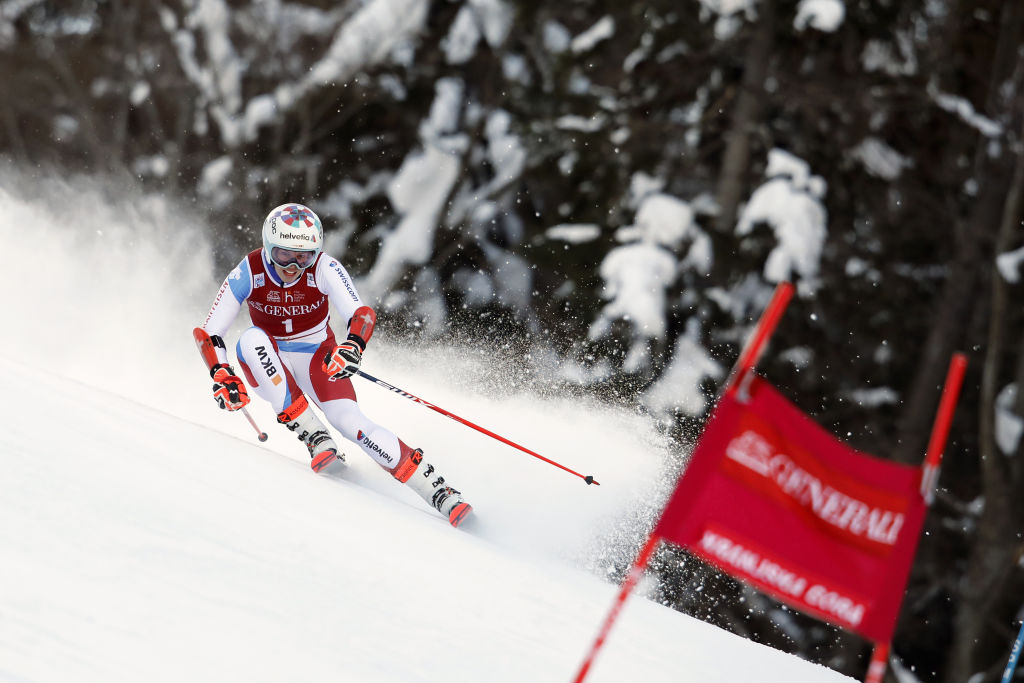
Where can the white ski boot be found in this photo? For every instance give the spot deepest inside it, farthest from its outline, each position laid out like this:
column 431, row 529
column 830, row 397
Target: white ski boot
column 300, row 418
column 423, row 478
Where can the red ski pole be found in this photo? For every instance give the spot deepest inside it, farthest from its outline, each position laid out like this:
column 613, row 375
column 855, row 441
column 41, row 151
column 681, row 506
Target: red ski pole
column 588, row 478
column 205, row 346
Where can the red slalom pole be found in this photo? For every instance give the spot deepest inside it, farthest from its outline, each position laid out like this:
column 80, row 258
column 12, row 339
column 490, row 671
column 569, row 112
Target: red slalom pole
column 943, row 421
column 878, row 664
column 635, row 572
column 588, row 478
column 748, row 359
column 765, row 327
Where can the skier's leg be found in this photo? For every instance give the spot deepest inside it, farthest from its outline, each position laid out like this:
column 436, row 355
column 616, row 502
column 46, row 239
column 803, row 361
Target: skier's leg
column 272, row 380
column 264, row 369
column 337, row 399
column 404, row 463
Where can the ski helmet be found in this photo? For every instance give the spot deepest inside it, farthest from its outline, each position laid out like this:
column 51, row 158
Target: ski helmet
column 292, row 235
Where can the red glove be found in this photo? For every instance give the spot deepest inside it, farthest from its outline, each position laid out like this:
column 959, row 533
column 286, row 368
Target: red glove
column 343, row 361
column 228, row 390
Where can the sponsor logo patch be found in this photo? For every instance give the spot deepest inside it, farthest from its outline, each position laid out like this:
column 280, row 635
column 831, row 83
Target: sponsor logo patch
column 336, row 267
column 786, row 476
column 266, row 361
column 365, row 440
column 285, row 311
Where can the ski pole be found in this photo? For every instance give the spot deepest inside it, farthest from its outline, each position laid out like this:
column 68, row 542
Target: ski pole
column 260, row 434
column 205, row 346
column 1011, row 665
column 588, row 478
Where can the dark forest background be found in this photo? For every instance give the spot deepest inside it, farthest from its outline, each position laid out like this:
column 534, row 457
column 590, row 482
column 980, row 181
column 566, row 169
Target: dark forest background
column 691, row 96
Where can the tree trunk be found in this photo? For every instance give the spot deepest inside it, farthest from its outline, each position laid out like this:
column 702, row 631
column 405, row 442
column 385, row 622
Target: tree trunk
column 972, row 246
column 994, row 554
column 736, row 159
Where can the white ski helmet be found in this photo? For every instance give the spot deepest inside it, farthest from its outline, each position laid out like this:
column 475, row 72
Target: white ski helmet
column 293, row 235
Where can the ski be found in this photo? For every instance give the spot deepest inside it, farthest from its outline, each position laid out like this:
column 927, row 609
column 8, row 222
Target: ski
column 322, row 460
column 459, row 513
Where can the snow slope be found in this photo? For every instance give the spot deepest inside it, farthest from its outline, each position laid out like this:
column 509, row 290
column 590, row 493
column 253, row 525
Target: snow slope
column 146, row 535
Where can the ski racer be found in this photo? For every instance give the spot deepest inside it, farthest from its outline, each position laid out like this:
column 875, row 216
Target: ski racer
column 291, row 358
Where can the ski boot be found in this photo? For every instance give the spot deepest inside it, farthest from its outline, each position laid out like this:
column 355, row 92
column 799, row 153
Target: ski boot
column 300, row 418
column 423, row 478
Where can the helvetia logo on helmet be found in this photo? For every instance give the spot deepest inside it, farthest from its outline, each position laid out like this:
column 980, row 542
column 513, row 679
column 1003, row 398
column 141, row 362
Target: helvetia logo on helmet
column 296, row 236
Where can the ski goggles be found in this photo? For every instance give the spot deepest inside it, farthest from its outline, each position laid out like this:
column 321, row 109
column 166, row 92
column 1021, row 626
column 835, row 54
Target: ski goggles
column 288, row 257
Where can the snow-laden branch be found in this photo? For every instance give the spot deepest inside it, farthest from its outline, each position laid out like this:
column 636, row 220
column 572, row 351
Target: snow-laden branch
column 790, row 202
column 366, row 38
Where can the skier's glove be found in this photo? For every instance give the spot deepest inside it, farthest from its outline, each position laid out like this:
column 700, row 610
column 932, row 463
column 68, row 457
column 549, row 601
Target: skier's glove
column 344, row 360
column 228, row 390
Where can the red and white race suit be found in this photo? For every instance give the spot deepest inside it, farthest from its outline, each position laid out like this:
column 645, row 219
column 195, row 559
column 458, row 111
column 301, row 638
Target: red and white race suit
column 282, row 354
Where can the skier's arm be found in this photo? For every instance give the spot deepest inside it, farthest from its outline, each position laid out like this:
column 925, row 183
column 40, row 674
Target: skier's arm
column 236, row 289
column 361, row 326
column 335, row 281
column 228, row 389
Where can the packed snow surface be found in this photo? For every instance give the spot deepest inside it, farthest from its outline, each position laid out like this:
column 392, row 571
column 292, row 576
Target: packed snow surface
column 147, row 536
